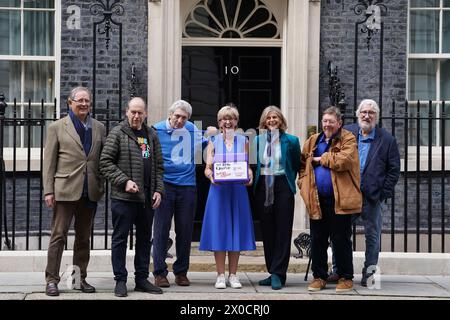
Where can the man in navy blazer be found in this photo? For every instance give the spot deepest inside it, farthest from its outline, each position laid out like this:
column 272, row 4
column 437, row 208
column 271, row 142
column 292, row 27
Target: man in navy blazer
column 380, row 169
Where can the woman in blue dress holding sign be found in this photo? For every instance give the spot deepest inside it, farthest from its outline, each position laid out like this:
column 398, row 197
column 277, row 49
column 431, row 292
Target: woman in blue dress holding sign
column 227, row 223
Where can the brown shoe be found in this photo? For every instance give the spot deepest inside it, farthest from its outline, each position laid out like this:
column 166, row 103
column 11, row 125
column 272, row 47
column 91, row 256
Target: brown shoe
column 162, row 282
column 317, row 284
column 85, row 287
column 182, row 280
column 52, row 289
column 333, row 278
column 344, row 285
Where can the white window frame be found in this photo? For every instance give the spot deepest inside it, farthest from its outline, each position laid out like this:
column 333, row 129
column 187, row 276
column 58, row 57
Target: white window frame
column 435, row 150
column 22, row 152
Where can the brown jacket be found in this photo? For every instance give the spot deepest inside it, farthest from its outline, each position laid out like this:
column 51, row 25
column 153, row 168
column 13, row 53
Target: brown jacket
column 343, row 160
column 65, row 162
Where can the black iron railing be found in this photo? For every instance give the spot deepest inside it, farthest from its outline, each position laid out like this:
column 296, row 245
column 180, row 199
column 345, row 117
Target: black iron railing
column 24, row 214
column 419, row 211
column 421, row 195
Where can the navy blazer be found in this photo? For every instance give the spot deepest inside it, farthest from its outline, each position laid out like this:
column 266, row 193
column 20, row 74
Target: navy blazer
column 382, row 168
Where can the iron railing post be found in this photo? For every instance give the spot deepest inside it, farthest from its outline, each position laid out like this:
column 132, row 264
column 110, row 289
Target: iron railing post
column 405, row 185
column 443, row 177
column 430, row 195
column 418, row 177
column 3, row 106
column 3, row 215
column 393, row 196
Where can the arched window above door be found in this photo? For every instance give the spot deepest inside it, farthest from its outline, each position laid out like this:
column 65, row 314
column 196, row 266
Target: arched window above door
column 232, row 19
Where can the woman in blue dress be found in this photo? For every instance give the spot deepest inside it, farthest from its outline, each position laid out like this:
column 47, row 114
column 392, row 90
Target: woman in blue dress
column 227, row 223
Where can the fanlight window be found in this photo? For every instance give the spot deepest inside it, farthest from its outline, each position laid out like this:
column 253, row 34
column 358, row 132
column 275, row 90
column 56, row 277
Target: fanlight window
column 231, row 19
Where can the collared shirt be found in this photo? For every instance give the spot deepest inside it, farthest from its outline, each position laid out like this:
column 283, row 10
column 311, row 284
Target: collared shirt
column 364, row 144
column 323, row 174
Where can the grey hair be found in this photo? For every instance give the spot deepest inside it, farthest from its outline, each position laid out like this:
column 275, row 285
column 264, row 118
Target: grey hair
column 335, row 111
column 74, row 92
column 183, row 105
column 373, row 105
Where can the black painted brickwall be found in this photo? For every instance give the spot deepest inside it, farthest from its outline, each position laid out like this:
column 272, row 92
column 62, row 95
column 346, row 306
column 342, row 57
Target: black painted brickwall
column 77, row 53
column 337, row 44
column 35, row 202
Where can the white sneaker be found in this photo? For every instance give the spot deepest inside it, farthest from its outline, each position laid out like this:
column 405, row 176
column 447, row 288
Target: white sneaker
column 220, row 283
column 233, row 280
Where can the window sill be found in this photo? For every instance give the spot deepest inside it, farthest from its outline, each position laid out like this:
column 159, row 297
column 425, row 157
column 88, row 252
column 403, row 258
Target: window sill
column 436, row 163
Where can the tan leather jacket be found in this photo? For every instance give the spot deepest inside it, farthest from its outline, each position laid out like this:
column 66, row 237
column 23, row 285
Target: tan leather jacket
column 343, row 160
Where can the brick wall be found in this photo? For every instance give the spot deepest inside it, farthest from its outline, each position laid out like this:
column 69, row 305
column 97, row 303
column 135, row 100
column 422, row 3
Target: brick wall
column 77, row 53
column 337, row 44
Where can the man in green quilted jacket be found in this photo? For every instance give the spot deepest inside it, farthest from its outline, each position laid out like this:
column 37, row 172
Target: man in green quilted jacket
column 132, row 162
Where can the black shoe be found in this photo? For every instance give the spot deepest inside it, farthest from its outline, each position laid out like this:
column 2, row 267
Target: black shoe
column 121, row 289
column 52, row 289
column 85, row 287
column 364, row 281
column 333, row 278
column 366, row 277
column 146, row 286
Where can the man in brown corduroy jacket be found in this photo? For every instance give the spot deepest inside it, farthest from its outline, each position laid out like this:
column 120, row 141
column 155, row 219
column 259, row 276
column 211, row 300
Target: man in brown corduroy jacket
column 329, row 183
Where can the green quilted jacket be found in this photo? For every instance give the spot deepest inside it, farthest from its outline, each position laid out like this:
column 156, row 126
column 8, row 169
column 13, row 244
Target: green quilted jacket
column 121, row 160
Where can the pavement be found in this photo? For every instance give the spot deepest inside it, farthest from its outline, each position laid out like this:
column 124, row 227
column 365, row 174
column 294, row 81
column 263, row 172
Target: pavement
column 30, row 286
column 24, row 291
column 403, row 276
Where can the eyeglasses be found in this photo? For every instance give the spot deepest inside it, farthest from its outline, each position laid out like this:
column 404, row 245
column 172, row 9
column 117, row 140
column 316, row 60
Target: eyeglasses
column 80, row 101
column 367, row 112
column 227, row 119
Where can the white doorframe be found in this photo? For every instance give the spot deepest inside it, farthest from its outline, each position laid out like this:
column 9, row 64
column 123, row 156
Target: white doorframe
column 164, row 57
column 300, row 23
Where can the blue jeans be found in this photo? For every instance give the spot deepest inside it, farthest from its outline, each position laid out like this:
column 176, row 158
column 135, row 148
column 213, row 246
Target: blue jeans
column 371, row 217
column 178, row 202
column 124, row 215
column 372, row 221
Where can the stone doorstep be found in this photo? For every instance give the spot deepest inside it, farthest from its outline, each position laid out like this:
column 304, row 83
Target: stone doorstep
column 397, row 263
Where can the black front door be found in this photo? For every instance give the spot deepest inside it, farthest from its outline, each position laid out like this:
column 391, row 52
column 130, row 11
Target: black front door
column 215, row 76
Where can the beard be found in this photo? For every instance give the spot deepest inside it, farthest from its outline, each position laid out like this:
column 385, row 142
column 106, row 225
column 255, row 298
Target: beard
column 365, row 126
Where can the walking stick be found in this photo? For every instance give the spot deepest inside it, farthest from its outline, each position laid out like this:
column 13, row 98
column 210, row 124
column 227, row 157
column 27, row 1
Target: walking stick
column 307, row 268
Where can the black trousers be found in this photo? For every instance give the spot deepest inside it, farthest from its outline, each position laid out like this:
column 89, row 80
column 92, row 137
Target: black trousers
column 276, row 223
column 124, row 215
column 338, row 227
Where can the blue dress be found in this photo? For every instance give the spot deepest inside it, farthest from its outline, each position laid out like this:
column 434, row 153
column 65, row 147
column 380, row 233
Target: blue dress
column 227, row 223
